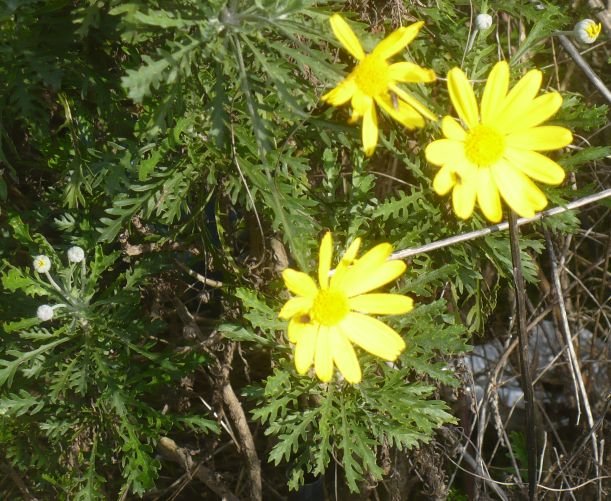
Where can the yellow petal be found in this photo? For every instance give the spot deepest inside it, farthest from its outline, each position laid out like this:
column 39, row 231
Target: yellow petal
column 445, row 152
column 544, row 138
column 518, row 100
column 518, row 191
column 300, row 325
column 340, row 94
column 452, row 129
column 324, row 260
column 397, row 40
column 402, row 113
column 359, row 280
column 351, row 252
column 299, row 283
column 373, row 336
column 295, row 305
column 304, row 350
column 495, row 92
column 372, row 259
column 537, row 112
column 375, row 256
column 370, row 130
column 346, row 261
column 463, row 98
column 381, row 304
column 526, row 88
column 360, row 104
column 488, row 196
column 535, row 165
column 413, row 102
column 463, row 199
column 346, row 36
column 444, row 181
column 323, row 358
column 466, row 171
column 410, row 73
column 344, row 357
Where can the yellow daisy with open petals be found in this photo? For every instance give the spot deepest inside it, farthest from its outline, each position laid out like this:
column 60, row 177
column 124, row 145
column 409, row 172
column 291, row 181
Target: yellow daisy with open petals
column 374, row 80
column 326, row 319
column 498, row 153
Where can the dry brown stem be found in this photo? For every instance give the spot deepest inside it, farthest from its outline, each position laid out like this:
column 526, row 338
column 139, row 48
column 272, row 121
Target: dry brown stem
column 213, row 480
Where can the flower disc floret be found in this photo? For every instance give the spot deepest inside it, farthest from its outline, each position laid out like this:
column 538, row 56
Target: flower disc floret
column 325, row 320
column 371, row 75
column 41, row 263
column 330, row 307
column 496, row 152
column 484, row 145
column 374, row 81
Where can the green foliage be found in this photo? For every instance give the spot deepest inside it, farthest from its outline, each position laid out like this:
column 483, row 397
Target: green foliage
column 520, row 453
column 163, row 132
column 314, row 422
column 102, row 378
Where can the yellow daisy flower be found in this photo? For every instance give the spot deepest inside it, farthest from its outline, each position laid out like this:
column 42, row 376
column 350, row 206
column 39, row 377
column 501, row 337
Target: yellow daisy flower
column 499, row 150
column 373, row 80
column 326, row 319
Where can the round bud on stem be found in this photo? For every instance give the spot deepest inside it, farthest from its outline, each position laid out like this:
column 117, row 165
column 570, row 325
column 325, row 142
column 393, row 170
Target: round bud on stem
column 44, row 312
column 76, row 254
column 483, row 21
column 587, row 31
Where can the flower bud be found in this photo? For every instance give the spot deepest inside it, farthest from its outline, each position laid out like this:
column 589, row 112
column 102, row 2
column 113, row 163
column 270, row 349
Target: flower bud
column 483, row 21
column 41, row 263
column 44, row 312
column 587, row 31
column 76, row 254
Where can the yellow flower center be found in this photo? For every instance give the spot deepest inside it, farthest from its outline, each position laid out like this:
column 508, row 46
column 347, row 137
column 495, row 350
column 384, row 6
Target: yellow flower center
column 593, row 30
column 330, row 307
column 484, row 145
column 371, row 75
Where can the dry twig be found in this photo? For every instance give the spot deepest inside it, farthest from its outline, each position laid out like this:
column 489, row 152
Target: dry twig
column 402, row 254
column 213, row 480
column 526, row 381
column 571, row 350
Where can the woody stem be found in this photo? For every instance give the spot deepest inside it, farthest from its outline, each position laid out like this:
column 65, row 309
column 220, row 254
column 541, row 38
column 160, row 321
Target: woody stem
column 525, row 380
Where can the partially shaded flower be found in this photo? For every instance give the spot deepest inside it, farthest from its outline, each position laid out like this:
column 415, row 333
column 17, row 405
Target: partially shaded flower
column 41, row 263
column 587, row 31
column 498, row 153
column 76, row 254
column 326, row 319
column 44, row 312
column 374, row 80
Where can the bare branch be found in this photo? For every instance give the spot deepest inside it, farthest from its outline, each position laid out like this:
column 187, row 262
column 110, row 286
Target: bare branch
column 402, row 254
column 214, row 481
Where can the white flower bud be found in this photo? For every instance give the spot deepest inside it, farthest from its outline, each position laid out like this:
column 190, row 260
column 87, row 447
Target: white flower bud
column 483, row 21
column 41, row 263
column 44, row 312
column 76, row 254
column 587, row 31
